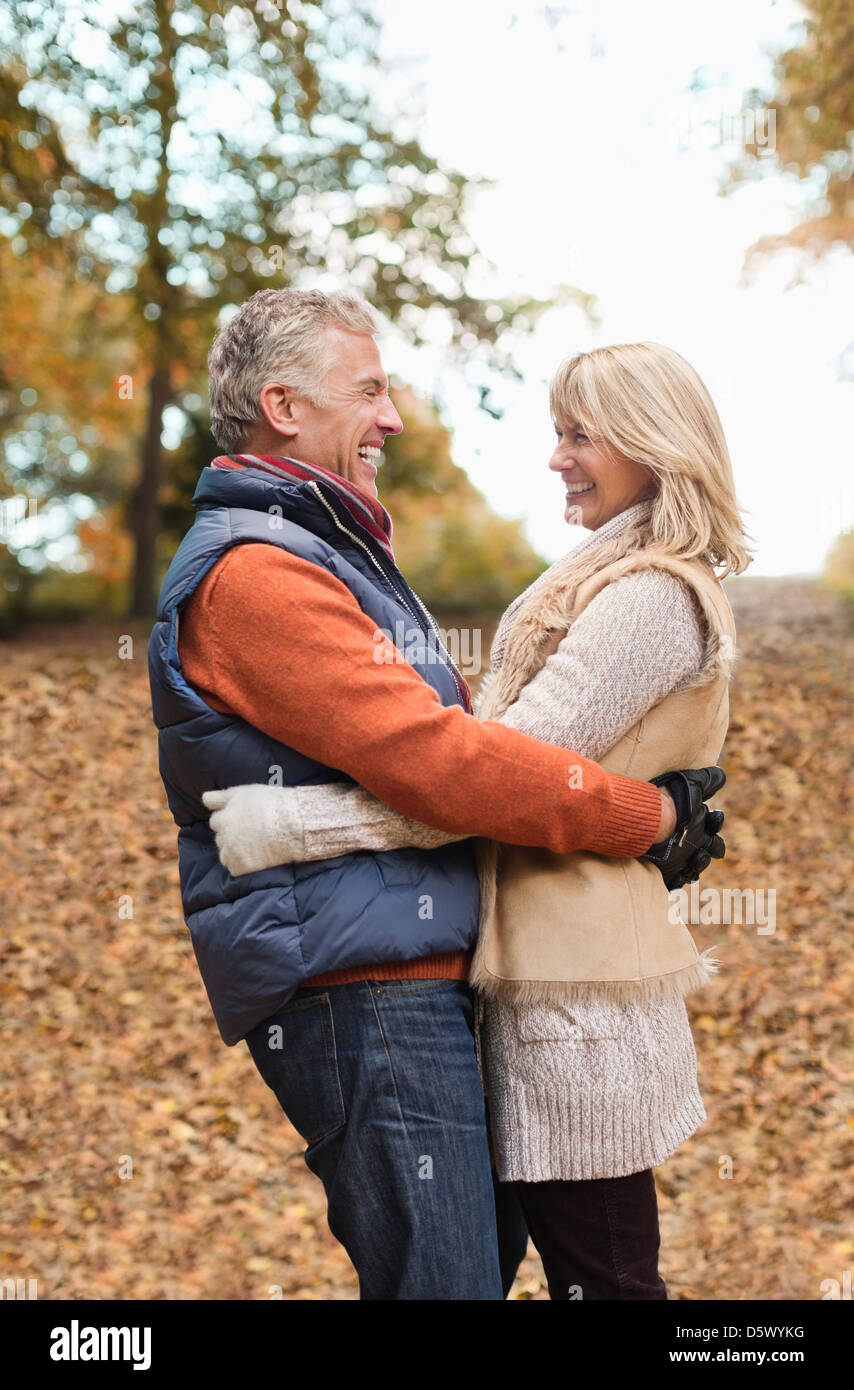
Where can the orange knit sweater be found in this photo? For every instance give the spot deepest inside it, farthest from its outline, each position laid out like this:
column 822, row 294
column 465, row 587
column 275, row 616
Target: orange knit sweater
column 282, row 643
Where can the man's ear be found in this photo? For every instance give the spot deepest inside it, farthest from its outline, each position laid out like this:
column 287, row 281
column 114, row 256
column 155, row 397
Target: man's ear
column 278, row 406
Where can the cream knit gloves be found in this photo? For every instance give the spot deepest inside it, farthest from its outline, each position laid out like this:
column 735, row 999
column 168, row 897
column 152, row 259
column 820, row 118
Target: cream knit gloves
column 256, row 826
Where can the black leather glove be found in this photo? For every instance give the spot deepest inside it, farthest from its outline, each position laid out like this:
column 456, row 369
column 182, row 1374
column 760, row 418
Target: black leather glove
column 695, row 842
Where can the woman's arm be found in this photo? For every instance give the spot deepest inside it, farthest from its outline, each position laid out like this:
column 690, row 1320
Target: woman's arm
column 257, row 826
column 638, row 640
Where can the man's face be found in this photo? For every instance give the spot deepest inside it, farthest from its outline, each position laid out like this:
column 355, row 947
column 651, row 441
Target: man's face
column 347, row 433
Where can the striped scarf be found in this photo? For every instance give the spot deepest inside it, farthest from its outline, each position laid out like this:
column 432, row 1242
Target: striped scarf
column 367, row 511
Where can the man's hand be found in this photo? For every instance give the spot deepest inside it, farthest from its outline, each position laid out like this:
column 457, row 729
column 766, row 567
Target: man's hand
column 694, row 841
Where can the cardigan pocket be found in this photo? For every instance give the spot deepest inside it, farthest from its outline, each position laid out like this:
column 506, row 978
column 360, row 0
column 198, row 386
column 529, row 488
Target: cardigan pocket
column 571, row 1024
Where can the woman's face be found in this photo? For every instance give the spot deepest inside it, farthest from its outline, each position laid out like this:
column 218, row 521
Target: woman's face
column 598, row 487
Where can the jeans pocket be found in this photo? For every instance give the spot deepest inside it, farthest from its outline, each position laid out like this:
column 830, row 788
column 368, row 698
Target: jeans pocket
column 294, row 1050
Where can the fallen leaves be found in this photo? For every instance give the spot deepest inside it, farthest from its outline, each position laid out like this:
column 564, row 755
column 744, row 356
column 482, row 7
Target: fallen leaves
column 111, row 1059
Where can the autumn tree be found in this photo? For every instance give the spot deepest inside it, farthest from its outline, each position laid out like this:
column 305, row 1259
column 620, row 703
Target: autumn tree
column 839, row 569
column 65, row 432
column 813, row 104
column 186, row 154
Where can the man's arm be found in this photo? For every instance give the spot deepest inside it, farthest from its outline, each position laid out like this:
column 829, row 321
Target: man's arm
column 284, row 644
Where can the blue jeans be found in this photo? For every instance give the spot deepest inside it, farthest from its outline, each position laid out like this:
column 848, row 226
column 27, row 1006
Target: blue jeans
column 380, row 1078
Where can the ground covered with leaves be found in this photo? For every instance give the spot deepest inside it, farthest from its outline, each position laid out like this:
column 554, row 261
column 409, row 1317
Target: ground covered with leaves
column 140, row 1158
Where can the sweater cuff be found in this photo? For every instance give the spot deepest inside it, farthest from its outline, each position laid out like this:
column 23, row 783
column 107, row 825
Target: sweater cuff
column 287, row 829
column 630, row 820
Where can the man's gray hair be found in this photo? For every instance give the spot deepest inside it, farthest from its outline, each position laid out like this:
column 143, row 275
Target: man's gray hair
column 277, row 335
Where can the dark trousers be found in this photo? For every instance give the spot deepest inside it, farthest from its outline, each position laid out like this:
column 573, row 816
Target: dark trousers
column 597, row 1239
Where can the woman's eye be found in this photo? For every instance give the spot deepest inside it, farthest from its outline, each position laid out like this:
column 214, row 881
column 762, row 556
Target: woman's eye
column 579, row 436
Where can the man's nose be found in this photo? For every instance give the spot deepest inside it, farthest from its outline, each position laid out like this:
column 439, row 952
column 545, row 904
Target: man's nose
column 389, row 420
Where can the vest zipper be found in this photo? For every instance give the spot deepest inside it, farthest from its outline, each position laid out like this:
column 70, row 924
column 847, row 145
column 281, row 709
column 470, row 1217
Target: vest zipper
column 458, row 680
column 432, row 621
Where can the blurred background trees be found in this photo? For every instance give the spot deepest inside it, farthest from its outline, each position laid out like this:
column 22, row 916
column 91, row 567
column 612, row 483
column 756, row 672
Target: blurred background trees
column 159, row 166
column 813, row 102
column 813, row 105
column 839, row 574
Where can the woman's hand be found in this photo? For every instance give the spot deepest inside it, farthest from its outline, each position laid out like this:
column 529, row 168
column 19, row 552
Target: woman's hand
column 255, row 826
column 694, row 842
column 667, row 824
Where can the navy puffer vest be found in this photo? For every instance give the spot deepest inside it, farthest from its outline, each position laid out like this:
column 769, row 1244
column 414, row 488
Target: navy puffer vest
column 259, row 936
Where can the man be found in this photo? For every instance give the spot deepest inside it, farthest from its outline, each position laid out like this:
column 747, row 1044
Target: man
column 347, row 976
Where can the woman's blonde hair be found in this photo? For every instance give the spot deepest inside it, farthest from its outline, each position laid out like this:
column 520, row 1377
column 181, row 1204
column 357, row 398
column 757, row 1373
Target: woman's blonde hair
column 645, row 402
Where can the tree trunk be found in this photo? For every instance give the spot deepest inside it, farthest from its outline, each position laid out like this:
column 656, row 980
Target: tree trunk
column 145, row 503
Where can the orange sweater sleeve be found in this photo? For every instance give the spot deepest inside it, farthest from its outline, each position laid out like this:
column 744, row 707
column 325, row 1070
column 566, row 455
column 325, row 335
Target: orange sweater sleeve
column 282, row 643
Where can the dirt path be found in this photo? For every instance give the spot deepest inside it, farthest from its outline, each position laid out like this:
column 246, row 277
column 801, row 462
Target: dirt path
column 112, row 1063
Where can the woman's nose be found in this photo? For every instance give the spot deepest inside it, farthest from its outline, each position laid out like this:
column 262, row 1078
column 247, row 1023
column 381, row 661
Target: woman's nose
column 559, row 461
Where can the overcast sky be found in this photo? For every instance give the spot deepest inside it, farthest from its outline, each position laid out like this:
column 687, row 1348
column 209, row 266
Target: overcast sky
column 606, row 169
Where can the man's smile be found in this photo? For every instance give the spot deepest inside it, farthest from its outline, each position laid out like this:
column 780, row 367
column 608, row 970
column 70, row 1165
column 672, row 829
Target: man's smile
column 371, row 455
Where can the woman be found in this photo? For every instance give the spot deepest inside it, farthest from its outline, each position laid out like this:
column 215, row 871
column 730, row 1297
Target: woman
column 622, row 652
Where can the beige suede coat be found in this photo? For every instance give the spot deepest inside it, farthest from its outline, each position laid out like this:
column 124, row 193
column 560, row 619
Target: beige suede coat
column 583, row 926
